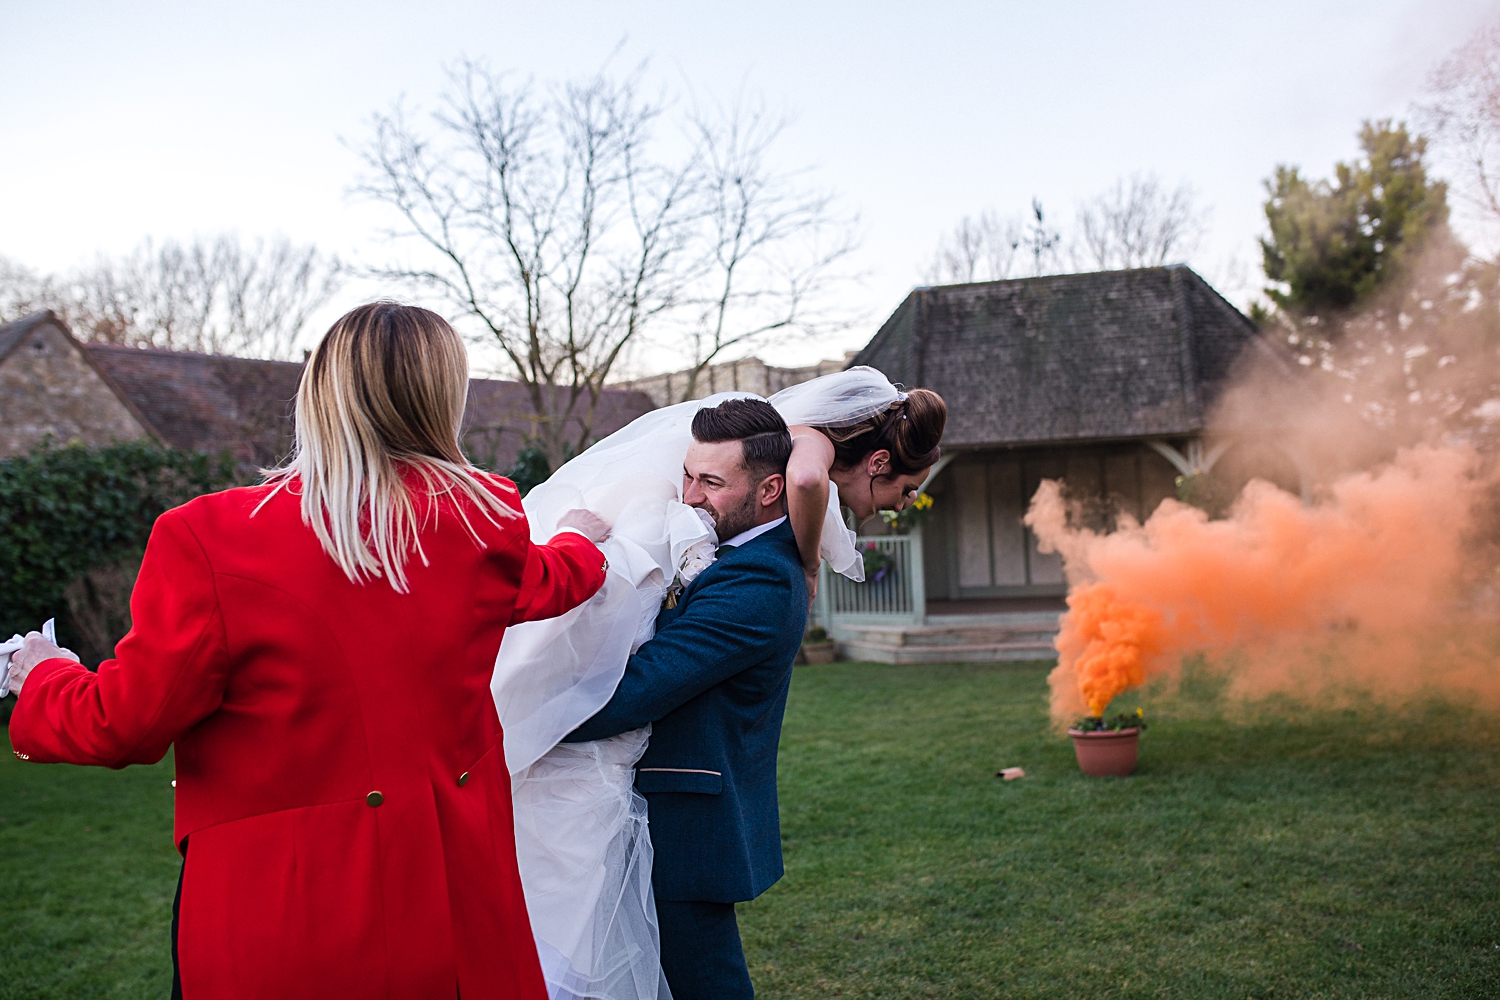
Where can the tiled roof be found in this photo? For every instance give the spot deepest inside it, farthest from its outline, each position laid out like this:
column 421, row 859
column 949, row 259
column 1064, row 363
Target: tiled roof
column 1073, row 357
column 215, row 402
column 501, row 416
column 208, row 402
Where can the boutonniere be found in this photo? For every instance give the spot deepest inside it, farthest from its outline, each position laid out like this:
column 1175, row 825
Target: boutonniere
column 698, row 557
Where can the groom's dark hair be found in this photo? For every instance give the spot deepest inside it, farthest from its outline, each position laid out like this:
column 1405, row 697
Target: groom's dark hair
column 756, row 424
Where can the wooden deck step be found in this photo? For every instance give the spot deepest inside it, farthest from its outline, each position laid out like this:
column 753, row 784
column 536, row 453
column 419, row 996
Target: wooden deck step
column 945, row 635
column 987, row 639
column 999, row 652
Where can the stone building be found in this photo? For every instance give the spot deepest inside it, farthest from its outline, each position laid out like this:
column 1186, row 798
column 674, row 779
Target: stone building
column 744, row 375
column 53, row 386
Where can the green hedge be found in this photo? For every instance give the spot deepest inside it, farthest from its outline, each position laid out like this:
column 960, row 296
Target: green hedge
column 65, row 511
column 530, row 468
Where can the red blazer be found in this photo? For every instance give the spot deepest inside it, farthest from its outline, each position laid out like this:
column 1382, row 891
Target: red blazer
column 339, row 762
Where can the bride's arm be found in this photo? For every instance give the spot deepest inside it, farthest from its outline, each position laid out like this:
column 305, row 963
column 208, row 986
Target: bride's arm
column 807, row 496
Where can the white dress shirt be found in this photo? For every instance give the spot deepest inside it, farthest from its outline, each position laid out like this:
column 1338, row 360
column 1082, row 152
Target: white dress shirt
column 755, row 532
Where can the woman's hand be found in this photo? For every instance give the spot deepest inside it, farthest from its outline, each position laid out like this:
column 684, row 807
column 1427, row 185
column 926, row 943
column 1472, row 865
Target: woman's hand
column 812, row 584
column 593, row 527
column 24, row 660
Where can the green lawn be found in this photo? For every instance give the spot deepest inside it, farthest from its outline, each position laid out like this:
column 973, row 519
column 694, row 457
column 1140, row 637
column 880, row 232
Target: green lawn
column 1337, row 855
column 87, row 875
column 1329, row 855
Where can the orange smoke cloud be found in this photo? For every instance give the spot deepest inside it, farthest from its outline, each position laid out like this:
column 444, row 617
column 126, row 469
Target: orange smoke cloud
column 1107, row 643
column 1373, row 588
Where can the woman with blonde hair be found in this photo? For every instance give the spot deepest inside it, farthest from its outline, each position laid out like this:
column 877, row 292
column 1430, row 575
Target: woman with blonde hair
column 319, row 651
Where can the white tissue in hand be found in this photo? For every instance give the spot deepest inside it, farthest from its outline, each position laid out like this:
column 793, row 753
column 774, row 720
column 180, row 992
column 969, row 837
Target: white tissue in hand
column 13, row 645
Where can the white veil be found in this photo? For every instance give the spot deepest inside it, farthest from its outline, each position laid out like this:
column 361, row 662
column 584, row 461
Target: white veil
column 837, row 400
column 552, row 675
column 581, row 827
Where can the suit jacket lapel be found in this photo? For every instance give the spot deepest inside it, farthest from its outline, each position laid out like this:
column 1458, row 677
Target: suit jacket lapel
column 782, row 532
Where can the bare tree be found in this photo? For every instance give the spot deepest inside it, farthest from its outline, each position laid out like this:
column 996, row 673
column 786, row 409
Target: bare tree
column 214, row 295
column 990, row 247
column 763, row 249
column 564, row 227
column 544, row 218
column 270, row 292
column 1463, row 119
column 1137, row 223
column 981, row 247
column 24, row 291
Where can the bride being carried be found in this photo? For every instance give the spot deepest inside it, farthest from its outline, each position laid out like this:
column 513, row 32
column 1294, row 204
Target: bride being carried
column 677, row 484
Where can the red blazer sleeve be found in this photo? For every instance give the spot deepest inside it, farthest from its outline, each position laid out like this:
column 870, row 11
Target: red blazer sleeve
column 558, row 577
column 170, row 671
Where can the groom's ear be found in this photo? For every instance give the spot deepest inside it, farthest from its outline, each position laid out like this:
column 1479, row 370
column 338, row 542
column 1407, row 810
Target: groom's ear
column 772, row 489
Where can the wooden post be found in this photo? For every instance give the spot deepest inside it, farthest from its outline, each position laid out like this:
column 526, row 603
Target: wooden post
column 825, row 598
column 918, row 573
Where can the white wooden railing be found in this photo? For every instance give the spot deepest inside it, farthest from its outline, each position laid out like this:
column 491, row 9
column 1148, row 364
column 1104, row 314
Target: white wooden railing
column 899, row 596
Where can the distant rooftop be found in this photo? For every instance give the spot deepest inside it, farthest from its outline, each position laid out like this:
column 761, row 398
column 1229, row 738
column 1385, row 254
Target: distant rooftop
column 1072, row 357
column 215, row 403
column 743, row 375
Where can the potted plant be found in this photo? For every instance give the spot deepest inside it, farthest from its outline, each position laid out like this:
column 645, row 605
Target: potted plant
column 878, row 562
column 1107, row 747
column 817, row 647
column 900, row 522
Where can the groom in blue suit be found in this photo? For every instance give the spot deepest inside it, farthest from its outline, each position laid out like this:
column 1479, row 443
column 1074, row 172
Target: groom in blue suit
column 713, row 684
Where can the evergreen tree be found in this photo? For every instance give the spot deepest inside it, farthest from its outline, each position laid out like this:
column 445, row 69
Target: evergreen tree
column 1334, row 244
column 530, row 468
column 1378, row 299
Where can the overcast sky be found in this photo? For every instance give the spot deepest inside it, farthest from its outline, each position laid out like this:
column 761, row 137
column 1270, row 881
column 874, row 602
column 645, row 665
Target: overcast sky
column 119, row 121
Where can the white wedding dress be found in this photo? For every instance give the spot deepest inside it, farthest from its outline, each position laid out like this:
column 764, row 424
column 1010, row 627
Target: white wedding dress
column 581, row 836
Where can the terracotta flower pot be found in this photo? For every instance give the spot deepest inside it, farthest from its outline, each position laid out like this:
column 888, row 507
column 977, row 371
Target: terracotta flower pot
column 1105, row 752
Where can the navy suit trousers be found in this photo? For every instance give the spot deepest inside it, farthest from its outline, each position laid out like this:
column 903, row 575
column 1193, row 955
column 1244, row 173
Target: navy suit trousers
column 701, row 952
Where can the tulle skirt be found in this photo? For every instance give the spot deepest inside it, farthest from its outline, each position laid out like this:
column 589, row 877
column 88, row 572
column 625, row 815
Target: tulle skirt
column 585, row 857
column 581, row 834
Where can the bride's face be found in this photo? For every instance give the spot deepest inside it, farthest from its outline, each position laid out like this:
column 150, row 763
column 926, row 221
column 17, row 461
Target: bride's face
column 869, row 487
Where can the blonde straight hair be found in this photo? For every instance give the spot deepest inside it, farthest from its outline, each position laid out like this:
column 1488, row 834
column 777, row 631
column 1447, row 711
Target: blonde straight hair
column 379, row 409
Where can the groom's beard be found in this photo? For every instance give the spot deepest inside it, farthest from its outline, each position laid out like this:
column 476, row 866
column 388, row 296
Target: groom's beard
column 732, row 521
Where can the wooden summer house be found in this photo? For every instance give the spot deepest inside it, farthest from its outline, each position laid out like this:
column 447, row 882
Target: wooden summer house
column 1102, row 380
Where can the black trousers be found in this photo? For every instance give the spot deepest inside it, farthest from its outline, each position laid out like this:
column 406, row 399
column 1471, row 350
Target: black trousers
column 176, row 913
column 701, row 952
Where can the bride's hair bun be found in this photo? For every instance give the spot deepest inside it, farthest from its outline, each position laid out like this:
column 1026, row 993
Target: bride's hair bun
column 910, row 429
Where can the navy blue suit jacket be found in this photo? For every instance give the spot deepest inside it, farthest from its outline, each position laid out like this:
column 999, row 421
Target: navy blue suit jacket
column 713, row 683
